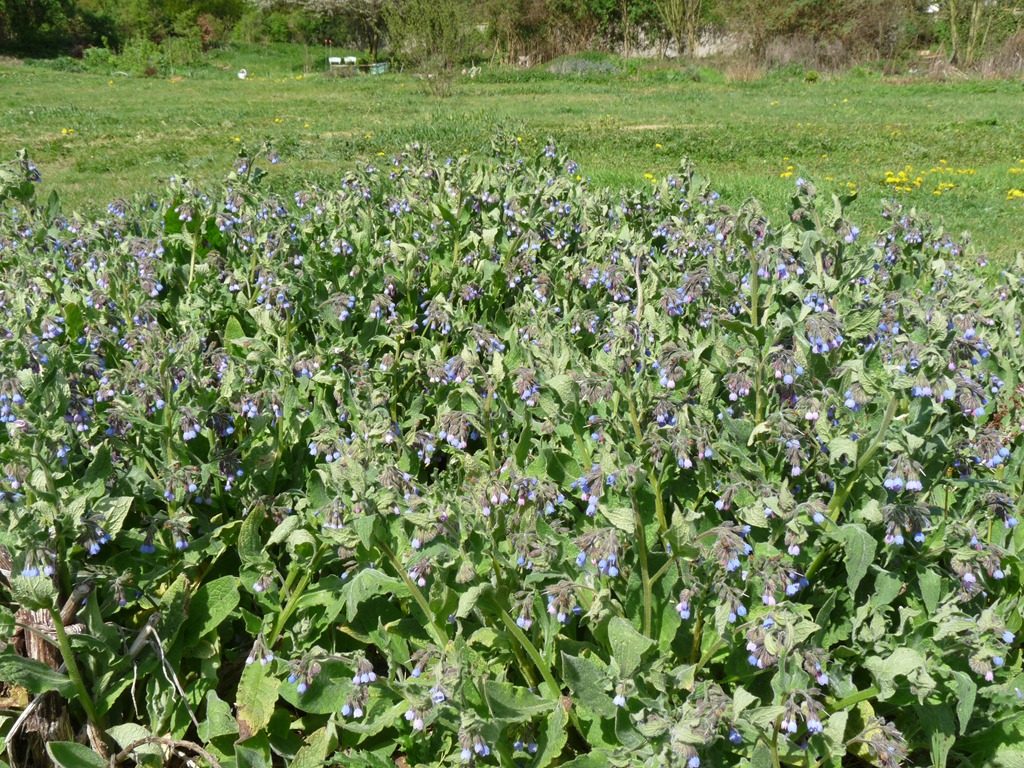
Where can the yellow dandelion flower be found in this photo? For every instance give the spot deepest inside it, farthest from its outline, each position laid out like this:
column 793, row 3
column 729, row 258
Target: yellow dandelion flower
column 1015, row 194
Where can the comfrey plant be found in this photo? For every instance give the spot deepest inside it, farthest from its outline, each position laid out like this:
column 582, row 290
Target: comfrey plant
column 464, row 462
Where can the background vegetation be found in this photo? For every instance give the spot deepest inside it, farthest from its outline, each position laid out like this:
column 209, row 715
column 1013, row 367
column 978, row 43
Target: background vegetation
column 823, row 33
column 97, row 135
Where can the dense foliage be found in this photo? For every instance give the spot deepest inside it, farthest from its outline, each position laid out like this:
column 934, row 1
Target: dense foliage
column 811, row 33
column 465, row 461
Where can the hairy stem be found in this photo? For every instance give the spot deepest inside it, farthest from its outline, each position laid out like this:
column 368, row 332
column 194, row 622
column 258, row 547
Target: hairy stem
column 836, row 505
column 64, row 644
column 645, row 573
column 531, row 652
column 439, row 636
column 854, row 698
column 293, row 600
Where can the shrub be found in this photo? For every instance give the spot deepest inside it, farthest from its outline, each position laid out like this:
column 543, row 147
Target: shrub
column 590, row 63
column 467, row 461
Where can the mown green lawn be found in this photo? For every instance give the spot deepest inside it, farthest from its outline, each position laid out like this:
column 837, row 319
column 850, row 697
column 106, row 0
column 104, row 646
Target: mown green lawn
column 101, row 136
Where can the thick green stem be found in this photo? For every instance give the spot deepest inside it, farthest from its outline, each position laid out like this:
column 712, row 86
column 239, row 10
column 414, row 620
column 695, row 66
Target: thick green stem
column 438, row 634
column 639, row 288
column 840, row 498
column 293, row 601
column 836, row 505
column 489, row 436
column 545, row 671
column 775, row 745
column 755, row 322
column 645, row 573
column 73, row 672
column 698, row 630
column 854, row 698
column 759, row 394
column 755, row 292
column 652, row 478
column 192, row 260
column 531, row 652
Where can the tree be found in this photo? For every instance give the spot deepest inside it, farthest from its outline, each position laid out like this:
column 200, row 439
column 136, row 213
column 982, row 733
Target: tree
column 970, row 22
column 364, row 20
column 367, row 23
column 26, row 24
column 434, row 34
column 682, row 21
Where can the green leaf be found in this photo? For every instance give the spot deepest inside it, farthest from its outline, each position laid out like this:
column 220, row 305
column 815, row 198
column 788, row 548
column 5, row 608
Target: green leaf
column 368, row 583
column 835, row 733
column 937, row 723
column 250, row 547
column 859, row 546
column 313, row 753
column 512, row 704
column 596, row 759
column 127, row 733
column 842, row 446
column 68, row 754
column 74, row 321
column 765, row 716
column 741, row 699
column 211, row 605
column 34, row 676
column 218, row 720
column 762, row 757
column 1006, row 756
column 589, row 683
column 966, row 691
column 327, row 692
column 284, row 530
column 254, row 752
column 469, row 599
column 930, row 583
column 552, row 738
column 33, row 592
column 256, row 697
column 100, row 467
column 627, row 645
column 887, row 587
column 903, row 662
column 620, row 517
column 114, row 510
column 564, row 387
column 233, row 331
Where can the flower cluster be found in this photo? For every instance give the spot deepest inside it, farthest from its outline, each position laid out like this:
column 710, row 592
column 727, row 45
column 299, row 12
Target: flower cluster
column 468, row 461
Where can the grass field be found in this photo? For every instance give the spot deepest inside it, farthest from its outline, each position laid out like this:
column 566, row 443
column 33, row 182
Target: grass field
column 953, row 149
